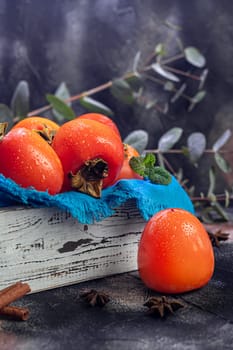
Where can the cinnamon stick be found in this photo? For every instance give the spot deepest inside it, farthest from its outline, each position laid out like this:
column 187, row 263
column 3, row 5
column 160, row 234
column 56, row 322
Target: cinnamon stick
column 18, row 313
column 12, row 293
column 5, row 290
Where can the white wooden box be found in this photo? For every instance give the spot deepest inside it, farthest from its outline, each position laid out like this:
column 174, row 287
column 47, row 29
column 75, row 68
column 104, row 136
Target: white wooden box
column 48, row 248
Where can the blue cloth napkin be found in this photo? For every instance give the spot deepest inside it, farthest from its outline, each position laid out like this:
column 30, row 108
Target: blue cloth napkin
column 149, row 199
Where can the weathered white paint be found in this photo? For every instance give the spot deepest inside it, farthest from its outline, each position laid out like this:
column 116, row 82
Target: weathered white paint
column 48, row 248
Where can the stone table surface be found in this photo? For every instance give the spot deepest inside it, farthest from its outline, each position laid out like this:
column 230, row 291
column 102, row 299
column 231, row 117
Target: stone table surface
column 61, row 319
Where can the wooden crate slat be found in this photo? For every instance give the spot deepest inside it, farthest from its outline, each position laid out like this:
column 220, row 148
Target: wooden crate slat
column 48, row 248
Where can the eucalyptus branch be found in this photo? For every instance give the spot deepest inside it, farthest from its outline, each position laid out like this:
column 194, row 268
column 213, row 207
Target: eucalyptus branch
column 180, row 151
column 161, row 82
column 126, row 76
column 172, row 59
column 219, row 197
column 90, row 92
column 178, row 71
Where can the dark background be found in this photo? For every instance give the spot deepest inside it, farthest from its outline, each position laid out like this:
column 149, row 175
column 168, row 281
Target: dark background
column 88, row 42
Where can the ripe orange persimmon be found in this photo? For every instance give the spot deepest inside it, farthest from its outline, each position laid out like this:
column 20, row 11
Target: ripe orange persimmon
column 175, row 254
column 30, row 161
column 91, row 154
column 44, row 126
column 126, row 170
column 101, row 118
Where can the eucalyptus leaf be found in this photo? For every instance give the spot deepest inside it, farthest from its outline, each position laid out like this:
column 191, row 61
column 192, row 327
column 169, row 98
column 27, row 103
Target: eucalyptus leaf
column 161, row 160
column 165, row 108
column 200, row 95
column 212, row 181
column 203, row 78
column 193, row 56
column 136, row 61
column 227, row 198
column 222, row 163
column 95, row 106
column 178, row 93
column 169, row 86
column 61, row 107
column 151, row 104
column 137, row 139
column 172, row 25
column 196, row 146
column 220, row 211
column 121, row 90
column 160, row 49
column 207, row 215
column 164, row 73
column 222, row 140
column 63, row 93
column 169, row 139
column 134, row 81
column 20, row 100
column 179, row 174
column 6, row 114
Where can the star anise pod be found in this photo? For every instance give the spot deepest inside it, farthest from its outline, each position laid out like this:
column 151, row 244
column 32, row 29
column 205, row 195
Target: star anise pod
column 163, row 305
column 217, row 237
column 95, row 298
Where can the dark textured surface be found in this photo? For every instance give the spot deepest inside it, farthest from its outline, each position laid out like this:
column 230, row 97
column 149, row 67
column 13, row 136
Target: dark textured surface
column 61, row 319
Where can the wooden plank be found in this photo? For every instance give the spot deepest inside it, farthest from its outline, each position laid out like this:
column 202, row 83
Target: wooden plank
column 48, row 248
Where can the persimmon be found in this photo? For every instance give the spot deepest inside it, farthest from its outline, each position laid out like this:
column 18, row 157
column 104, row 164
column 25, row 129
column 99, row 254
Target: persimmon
column 126, row 170
column 91, row 154
column 30, row 161
column 43, row 126
column 175, row 254
column 102, row 119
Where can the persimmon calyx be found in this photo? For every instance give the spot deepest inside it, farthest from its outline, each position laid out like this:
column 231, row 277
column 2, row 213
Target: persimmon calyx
column 89, row 179
column 3, row 127
column 46, row 134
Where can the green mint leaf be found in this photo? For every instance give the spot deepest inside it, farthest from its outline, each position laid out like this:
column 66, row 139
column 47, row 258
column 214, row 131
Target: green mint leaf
column 149, row 160
column 137, row 164
column 145, row 166
column 158, row 175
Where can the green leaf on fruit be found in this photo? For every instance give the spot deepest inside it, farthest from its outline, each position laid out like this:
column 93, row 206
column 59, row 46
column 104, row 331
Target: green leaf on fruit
column 145, row 166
